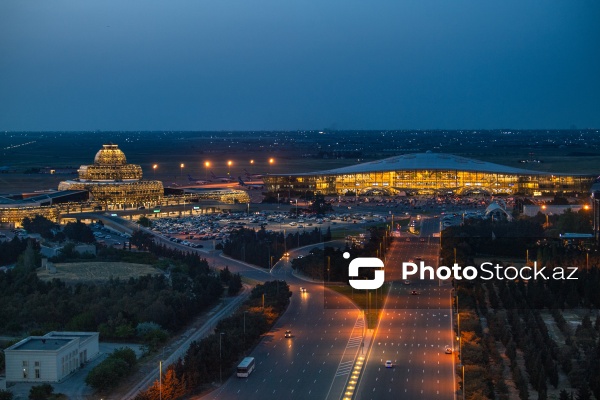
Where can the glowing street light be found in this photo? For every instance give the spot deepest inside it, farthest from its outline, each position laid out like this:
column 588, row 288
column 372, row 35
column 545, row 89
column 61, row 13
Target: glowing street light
column 207, row 165
column 271, row 162
column 229, row 167
column 154, row 169
column 181, row 169
column 251, row 161
column 546, row 214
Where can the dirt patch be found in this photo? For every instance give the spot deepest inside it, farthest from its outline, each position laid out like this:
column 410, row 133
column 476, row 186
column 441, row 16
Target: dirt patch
column 97, row 271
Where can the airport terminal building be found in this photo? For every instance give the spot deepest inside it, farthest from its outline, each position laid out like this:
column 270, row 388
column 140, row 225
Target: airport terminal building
column 430, row 174
column 112, row 181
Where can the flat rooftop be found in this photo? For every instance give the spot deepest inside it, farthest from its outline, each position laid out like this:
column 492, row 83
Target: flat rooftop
column 62, row 335
column 41, row 343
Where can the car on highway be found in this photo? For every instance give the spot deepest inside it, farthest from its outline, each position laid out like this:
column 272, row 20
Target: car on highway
column 407, row 282
column 448, row 350
column 288, row 334
column 303, row 289
column 414, row 292
column 389, row 364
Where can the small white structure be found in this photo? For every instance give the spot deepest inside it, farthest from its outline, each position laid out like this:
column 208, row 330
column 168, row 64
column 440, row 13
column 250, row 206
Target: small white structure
column 496, row 211
column 50, row 358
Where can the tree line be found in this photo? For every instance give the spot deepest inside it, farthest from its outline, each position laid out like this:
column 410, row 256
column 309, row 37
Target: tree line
column 75, row 231
column 257, row 247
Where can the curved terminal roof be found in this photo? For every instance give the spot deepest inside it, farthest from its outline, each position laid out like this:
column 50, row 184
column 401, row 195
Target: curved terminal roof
column 426, row 161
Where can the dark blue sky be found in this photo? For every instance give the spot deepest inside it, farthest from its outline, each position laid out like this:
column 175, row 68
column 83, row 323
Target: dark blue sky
column 285, row 65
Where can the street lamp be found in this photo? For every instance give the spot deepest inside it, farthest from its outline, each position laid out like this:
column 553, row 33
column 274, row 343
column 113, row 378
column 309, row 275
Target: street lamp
column 229, row 167
column 220, row 358
column 154, row 169
column 245, row 312
column 207, row 165
column 587, row 261
column 544, row 208
column 459, row 339
column 181, row 170
column 463, row 381
column 160, row 380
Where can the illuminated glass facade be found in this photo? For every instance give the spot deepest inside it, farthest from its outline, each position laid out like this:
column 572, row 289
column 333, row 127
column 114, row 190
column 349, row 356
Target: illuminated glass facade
column 15, row 214
column 430, row 173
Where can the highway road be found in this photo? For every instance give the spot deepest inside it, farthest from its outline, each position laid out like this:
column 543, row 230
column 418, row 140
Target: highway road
column 413, row 331
column 316, row 361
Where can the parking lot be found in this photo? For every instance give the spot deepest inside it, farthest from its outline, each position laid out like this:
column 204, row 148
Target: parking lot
column 205, row 231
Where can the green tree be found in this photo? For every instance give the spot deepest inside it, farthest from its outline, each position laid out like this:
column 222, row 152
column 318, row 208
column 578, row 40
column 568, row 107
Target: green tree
column 79, row 232
column 107, row 374
column 564, row 395
column 111, row 371
column 235, row 284
column 583, row 393
column 40, row 225
column 126, row 354
column 319, row 205
column 144, row 221
column 30, row 259
column 574, row 222
column 41, row 392
column 6, row 395
column 225, row 275
column 142, row 240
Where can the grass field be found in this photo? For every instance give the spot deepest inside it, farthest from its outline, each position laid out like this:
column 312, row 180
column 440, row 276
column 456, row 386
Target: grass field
column 371, row 301
column 97, row 272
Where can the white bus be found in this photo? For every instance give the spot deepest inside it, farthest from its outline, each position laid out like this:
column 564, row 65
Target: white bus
column 246, row 367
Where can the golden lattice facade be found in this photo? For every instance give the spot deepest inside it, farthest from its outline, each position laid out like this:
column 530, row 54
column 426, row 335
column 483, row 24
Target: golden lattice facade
column 111, row 181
